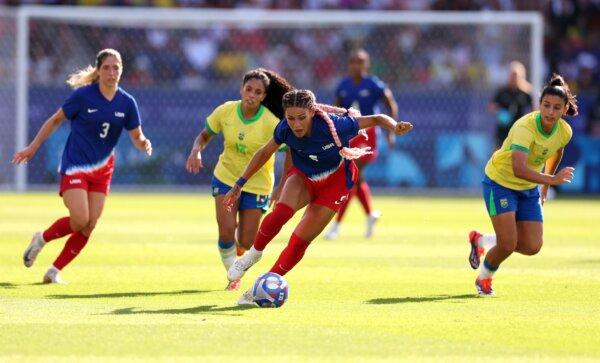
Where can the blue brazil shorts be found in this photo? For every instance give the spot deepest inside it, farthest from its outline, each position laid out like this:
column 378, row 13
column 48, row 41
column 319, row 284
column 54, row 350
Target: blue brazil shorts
column 247, row 200
column 525, row 203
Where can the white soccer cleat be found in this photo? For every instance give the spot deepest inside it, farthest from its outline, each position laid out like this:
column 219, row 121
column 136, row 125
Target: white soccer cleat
column 242, row 264
column 371, row 220
column 52, row 277
column 333, row 232
column 246, row 298
column 34, row 248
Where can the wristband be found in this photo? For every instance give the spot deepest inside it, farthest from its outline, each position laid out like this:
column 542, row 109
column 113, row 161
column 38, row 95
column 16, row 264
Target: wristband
column 241, row 181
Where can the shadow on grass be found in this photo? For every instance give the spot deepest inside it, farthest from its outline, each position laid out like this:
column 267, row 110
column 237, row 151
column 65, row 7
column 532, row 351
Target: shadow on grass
column 193, row 310
column 417, row 299
column 130, row 294
column 8, row 285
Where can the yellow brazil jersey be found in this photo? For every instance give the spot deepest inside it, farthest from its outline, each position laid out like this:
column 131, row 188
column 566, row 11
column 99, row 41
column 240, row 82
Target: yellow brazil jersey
column 527, row 135
column 242, row 138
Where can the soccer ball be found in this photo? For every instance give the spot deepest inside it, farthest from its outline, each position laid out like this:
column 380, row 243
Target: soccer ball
column 270, row 290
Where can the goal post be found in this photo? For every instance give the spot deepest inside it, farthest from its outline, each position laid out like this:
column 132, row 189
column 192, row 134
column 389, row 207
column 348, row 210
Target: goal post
column 202, row 54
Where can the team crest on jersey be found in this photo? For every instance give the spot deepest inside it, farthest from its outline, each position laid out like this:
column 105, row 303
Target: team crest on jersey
column 364, row 93
column 504, row 202
column 241, row 135
column 545, row 151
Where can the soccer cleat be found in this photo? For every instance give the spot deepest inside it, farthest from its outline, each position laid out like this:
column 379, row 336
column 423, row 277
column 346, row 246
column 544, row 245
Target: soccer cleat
column 484, row 287
column 246, row 299
column 371, row 220
column 333, row 232
column 242, row 264
column 233, row 285
column 476, row 251
column 34, row 248
column 52, row 277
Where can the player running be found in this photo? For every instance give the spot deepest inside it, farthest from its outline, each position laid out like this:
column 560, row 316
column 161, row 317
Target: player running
column 321, row 177
column 246, row 124
column 99, row 110
column 512, row 175
column 363, row 92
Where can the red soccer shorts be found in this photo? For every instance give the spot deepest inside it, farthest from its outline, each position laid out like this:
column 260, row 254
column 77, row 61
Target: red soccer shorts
column 330, row 192
column 94, row 181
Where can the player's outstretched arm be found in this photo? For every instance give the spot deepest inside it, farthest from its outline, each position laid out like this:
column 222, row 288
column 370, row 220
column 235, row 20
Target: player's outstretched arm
column 140, row 141
column 258, row 160
column 194, row 160
column 384, row 121
column 51, row 124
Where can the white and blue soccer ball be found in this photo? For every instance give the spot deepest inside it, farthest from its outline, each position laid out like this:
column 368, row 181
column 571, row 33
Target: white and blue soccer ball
column 270, row 290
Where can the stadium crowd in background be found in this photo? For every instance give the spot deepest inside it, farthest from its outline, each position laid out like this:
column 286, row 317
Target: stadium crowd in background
column 192, row 58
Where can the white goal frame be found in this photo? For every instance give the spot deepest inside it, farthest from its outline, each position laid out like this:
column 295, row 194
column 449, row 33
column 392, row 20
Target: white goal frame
column 199, row 18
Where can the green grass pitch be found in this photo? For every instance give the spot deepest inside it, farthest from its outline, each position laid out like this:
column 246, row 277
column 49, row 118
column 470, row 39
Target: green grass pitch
column 149, row 287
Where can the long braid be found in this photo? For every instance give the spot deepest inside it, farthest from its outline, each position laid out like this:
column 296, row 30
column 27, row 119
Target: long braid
column 306, row 99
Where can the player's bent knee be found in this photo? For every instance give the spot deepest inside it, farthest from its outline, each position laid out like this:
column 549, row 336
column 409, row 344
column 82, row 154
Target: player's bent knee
column 79, row 223
column 531, row 249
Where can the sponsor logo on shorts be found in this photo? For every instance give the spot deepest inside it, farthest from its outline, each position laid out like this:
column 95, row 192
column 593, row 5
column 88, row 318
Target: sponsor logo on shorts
column 120, row 114
column 75, row 181
column 92, row 110
column 328, row 146
column 313, row 157
column 341, row 200
column 504, row 202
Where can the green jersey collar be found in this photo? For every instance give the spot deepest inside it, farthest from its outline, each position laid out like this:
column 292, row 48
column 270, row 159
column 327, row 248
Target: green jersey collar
column 538, row 122
column 261, row 110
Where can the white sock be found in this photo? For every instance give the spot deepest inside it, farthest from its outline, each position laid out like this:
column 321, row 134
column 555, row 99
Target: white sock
column 487, row 241
column 228, row 256
column 254, row 254
column 485, row 272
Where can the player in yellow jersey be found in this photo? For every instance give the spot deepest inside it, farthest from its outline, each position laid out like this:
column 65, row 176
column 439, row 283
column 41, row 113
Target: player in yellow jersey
column 247, row 125
column 529, row 156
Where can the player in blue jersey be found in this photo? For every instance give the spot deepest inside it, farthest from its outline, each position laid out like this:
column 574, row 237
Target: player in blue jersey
column 98, row 110
column 322, row 175
column 363, row 92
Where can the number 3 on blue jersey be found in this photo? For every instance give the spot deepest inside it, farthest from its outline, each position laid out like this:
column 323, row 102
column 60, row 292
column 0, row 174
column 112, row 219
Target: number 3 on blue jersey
column 105, row 127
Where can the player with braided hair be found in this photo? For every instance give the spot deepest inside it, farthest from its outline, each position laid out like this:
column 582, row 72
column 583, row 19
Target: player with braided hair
column 320, row 179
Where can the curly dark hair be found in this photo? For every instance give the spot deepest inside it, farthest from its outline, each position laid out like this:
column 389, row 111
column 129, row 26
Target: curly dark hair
column 275, row 85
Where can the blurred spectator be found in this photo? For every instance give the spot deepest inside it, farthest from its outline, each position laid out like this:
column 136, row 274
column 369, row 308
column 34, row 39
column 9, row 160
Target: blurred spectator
column 511, row 101
column 429, row 56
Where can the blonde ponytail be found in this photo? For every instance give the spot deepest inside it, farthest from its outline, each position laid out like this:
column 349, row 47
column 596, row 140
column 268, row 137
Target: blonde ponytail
column 83, row 77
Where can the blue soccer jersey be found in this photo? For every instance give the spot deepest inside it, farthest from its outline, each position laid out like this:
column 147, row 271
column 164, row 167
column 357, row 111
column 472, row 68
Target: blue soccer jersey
column 363, row 96
column 316, row 155
column 96, row 124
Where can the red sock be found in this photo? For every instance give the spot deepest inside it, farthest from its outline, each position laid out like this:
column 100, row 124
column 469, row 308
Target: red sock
column 364, row 195
column 58, row 229
column 74, row 245
column 342, row 211
column 272, row 224
column 291, row 255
